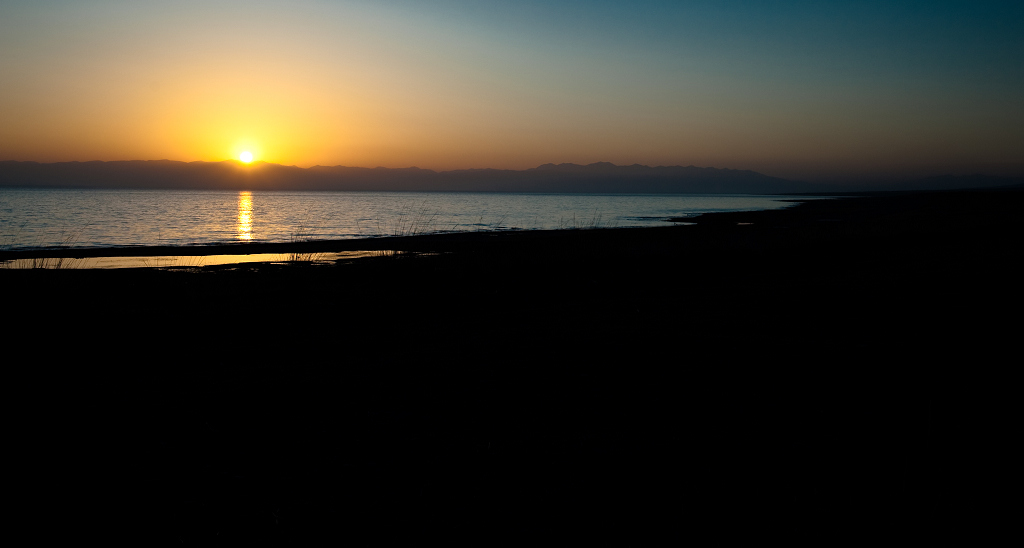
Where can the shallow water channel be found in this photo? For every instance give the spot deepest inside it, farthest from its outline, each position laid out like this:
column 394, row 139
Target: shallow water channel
column 186, row 261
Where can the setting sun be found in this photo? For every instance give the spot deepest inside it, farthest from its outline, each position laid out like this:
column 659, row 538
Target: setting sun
column 245, row 157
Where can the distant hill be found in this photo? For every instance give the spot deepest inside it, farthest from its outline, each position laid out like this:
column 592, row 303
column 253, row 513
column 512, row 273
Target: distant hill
column 601, row 177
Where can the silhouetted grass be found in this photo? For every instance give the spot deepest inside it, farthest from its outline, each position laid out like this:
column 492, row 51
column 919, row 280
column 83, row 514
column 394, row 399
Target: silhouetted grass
column 580, row 224
column 45, row 260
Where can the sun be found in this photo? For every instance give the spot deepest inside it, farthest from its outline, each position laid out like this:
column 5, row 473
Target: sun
column 245, row 157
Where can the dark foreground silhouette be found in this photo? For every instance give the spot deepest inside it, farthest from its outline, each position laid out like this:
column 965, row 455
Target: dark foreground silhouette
column 828, row 372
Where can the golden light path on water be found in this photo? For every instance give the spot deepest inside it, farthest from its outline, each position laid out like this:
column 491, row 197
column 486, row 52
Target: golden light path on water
column 245, row 216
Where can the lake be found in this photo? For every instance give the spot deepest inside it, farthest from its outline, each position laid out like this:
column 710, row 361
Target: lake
column 40, row 218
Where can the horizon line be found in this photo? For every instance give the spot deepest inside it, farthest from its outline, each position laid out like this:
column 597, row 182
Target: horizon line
column 838, row 178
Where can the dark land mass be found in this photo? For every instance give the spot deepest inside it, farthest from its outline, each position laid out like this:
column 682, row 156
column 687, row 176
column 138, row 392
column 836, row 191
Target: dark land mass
column 600, row 177
column 837, row 370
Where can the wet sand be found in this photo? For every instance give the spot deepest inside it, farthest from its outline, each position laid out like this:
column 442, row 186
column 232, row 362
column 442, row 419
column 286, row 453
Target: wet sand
column 818, row 373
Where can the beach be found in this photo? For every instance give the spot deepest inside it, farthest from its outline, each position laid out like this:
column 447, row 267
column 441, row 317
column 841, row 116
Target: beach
column 809, row 374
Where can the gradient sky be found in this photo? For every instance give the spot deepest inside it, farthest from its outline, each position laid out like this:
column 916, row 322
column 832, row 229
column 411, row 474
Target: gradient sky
column 810, row 90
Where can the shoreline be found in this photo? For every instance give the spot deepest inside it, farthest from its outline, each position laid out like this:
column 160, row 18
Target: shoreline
column 440, row 242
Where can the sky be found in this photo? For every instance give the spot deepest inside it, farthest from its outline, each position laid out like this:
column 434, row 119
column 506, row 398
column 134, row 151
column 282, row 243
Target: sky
column 817, row 91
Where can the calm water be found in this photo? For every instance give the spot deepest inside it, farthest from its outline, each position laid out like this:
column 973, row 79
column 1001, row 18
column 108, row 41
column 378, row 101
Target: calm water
column 33, row 218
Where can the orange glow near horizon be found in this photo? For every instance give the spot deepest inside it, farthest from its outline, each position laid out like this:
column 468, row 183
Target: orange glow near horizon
column 409, row 84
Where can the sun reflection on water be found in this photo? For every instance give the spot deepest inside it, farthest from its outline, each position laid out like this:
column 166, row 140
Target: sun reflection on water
column 244, row 215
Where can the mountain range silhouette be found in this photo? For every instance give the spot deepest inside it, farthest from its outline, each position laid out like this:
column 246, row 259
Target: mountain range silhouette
column 599, row 177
